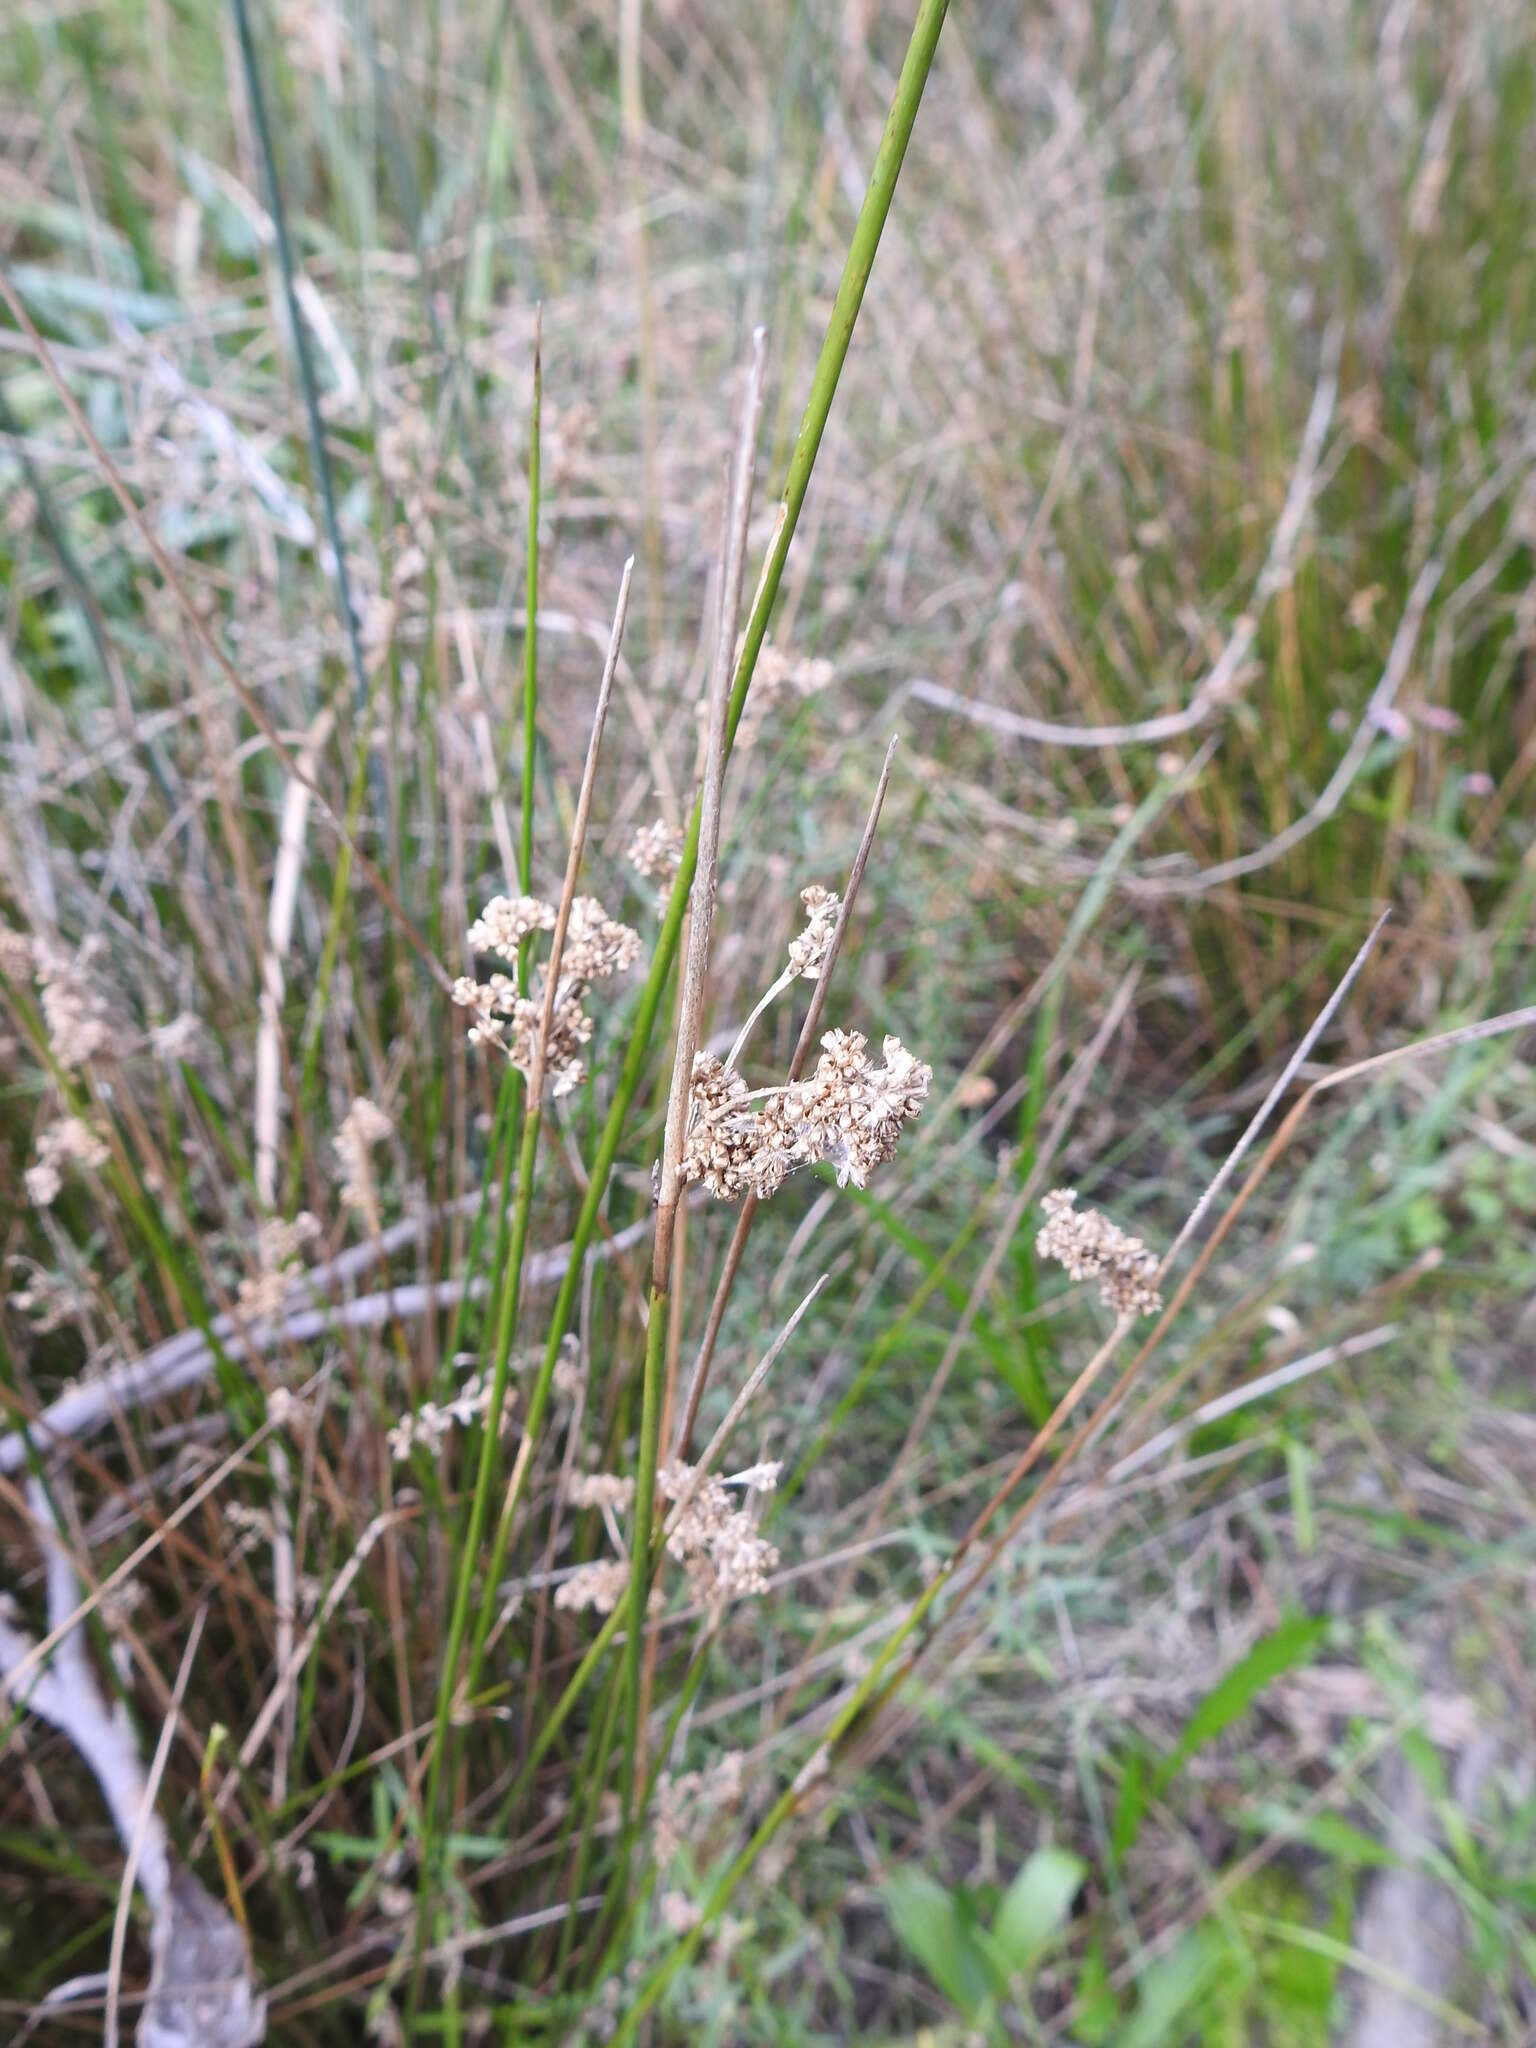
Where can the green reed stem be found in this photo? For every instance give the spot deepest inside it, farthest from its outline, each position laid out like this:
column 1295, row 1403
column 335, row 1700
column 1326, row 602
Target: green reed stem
column 829, row 365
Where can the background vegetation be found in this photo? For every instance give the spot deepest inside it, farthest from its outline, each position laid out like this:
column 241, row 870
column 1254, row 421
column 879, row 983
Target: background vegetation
column 1177, row 508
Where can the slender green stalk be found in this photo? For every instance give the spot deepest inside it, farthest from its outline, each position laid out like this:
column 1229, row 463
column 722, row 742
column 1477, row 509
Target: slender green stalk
column 829, row 365
column 531, row 633
column 319, row 458
column 642, row 1560
column 684, row 1950
column 506, row 1325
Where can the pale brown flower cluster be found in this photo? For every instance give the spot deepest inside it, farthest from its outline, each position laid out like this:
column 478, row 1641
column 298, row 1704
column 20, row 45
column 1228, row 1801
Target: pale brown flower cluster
column 602, row 1586
column 67, row 1142
column 1092, row 1248
column 779, row 675
column 656, row 852
column 809, row 949
column 602, row 1490
column 596, row 946
column 716, row 1542
column 364, row 1126
column 431, row 1423
column 74, row 1014
column 683, row 1803
column 262, row 1294
column 848, row 1111
column 15, row 954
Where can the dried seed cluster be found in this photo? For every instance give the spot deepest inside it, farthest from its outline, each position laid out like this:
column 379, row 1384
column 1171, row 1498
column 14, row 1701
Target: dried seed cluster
column 364, row 1126
column 656, row 852
column 261, row 1295
column 602, row 1490
column 715, row 1541
column 848, row 1111
column 1092, row 1248
column 777, row 676
column 809, row 949
column 683, row 1803
column 70, row 1141
column 74, row 1013
column 602, row 1586
column 431, row 1423
column 595, row 947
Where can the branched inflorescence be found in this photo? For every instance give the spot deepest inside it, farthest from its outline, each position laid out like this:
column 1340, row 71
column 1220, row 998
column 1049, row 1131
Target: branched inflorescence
column 1092, row 1248
column 849, row 1110
column 595, row 947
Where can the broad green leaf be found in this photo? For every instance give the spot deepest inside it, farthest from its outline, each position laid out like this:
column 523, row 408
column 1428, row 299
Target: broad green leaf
column 1097, row 2007
column 1036, row 1904
column 1293, row 1642
column 1329, row 1833
column 1173, row 1985
column 930, row 1921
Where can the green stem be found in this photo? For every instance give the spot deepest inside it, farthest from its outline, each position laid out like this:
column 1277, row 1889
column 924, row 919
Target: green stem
column 320, row 460
column 469, row 1551
column 829, row 365
column 640, row 1541
column 531, row 632
column 683, row 1951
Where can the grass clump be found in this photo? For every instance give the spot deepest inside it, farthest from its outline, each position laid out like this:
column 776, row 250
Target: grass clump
column 602, row 1505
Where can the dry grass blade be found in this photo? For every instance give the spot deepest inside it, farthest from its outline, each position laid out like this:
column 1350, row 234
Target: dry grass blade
column 1266, row 1108
column 749, row 1387
column 702, row 901
column 1215, row 688
column 146, row 1815
column 579, row 833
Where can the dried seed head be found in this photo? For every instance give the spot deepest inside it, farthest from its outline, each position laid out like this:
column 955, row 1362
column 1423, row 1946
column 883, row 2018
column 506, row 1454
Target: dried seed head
column 16, row 954
column 261, row 1295
column 809, row 948
column 682, row 1804
column 716, row 1542
column 595, row 947
column 656, row 852
column 724, row 1130
column 1089, row 1246
column 430, row 1424
column 602, row 1586
column 679, row 1914
column 364, row 1126
column 602, row 1490
column 849, row 1112
column 775, row 676
column 76, row 1019
column 506, row 921
column 70, row 1141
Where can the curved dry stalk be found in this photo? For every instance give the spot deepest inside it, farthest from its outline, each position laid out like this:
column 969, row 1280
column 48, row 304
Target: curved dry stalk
column 144, row 1827
column 1494, row 1027
column 1082, row 1073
